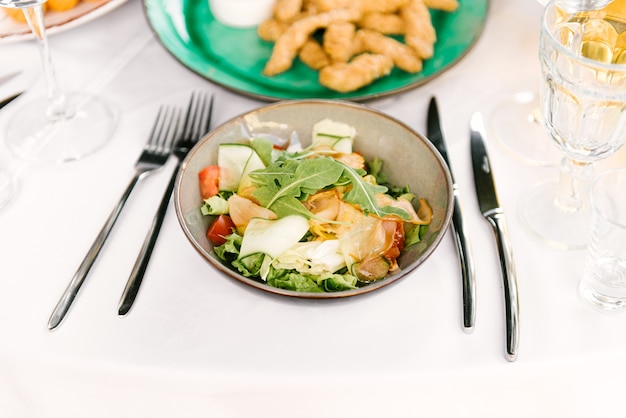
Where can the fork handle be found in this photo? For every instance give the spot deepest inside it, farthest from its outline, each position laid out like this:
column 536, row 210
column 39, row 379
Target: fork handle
column 77, row 281
column 141, row 264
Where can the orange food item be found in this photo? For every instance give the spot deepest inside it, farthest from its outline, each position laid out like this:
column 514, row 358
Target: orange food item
column 62, row 5
column 354, row 35
column 51, row 5
column 15, row 14
column 18, row 15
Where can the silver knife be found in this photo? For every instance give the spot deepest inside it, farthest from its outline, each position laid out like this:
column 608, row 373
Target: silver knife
column 491, row 210
column 435, row 134
column 9, row 99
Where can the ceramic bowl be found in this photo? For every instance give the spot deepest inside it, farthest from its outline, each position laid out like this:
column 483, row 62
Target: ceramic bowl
column 408, row 157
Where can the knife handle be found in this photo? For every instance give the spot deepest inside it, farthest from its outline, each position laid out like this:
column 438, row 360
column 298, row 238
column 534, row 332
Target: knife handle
column 511, row 302
column 467, row 265
column 143, row 259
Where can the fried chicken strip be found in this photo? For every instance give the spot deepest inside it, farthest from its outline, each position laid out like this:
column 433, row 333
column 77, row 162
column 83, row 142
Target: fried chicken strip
column 403, row 56
column 289, row 43
column 313, row 55
column 380, row 6
column 366, row 6
column 271, row 29
column 419, row 31
column 286, row 10
column 361, row 71
column 445, row 5
column 387, row 23
column 338, row 41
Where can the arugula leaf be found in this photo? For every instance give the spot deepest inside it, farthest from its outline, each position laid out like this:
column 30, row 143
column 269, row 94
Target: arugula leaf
column 291, row 206
column 309, row 176
column 363, row 194
column 288, row 205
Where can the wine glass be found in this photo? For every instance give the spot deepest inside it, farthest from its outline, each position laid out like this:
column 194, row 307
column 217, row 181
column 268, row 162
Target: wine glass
column 517, row 123
column 7, row 189
column 583, row 101
column 63, row 126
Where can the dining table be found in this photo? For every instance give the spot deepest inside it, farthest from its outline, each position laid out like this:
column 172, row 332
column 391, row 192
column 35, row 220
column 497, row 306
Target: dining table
column 199, row 344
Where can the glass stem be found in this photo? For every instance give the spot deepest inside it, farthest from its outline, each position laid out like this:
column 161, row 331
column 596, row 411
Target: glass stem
column 57, row 108
column 574, row 182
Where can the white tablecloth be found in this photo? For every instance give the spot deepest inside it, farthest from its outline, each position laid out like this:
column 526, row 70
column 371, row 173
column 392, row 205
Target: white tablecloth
column 199, row 344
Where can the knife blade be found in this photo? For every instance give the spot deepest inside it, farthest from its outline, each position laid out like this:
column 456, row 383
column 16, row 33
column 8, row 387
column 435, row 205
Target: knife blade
column 435, row 134
column 9, row 99
column 491, row 210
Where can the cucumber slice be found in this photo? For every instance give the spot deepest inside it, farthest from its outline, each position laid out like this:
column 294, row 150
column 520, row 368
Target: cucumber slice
column 343, row 145
column 254, row 163
column 371, row 270
column 273, row 237
column 233, row 160
column 335, row 135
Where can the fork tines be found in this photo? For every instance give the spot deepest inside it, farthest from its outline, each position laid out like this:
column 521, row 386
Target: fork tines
column 198, row 117
column 165, row 127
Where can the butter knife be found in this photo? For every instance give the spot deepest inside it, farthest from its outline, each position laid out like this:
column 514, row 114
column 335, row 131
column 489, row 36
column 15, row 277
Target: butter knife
column 435, row 134
column 491, row 210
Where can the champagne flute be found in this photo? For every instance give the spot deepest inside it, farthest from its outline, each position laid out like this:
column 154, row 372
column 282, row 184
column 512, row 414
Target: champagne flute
column 583, row 100
column 516, row 121
column 63, row 126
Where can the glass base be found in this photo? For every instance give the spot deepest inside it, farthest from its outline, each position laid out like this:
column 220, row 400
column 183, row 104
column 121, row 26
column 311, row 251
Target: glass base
column 600, row 301
column 516, row 124
column 7, row 190
column 86, row 129
column 559, row 229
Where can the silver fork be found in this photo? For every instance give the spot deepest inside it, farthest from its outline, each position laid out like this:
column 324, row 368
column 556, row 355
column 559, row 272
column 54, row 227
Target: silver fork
column 154, row 155
column 197, row 123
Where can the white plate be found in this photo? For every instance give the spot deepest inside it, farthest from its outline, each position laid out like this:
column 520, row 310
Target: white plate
column 85, row 11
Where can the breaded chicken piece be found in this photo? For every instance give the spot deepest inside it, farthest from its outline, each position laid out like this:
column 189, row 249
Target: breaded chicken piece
column 320, row 6
column 286, row 10
column 380, row 6
column 366, row 6
column 419, row 31
column 338, row 41
column 289, row 43
column 445, row 5
column 361, row 71
column 403, row 56
column 271, row 29
column 313, row 55
column 387, row 23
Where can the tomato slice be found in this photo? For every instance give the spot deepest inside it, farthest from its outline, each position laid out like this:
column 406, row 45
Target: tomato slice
column 209, row 181
column 221, row 227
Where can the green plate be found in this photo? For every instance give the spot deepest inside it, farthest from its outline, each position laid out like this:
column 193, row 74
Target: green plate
column 234, row 58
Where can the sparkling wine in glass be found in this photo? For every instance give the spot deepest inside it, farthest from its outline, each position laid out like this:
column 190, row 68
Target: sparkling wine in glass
column 516, row 121
column 583, row 101
column 64, row 126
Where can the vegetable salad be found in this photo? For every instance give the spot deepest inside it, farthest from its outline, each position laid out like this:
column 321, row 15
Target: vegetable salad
column 319, row 219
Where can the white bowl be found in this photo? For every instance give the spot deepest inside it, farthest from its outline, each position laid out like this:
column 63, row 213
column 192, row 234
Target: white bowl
column 241, row 13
